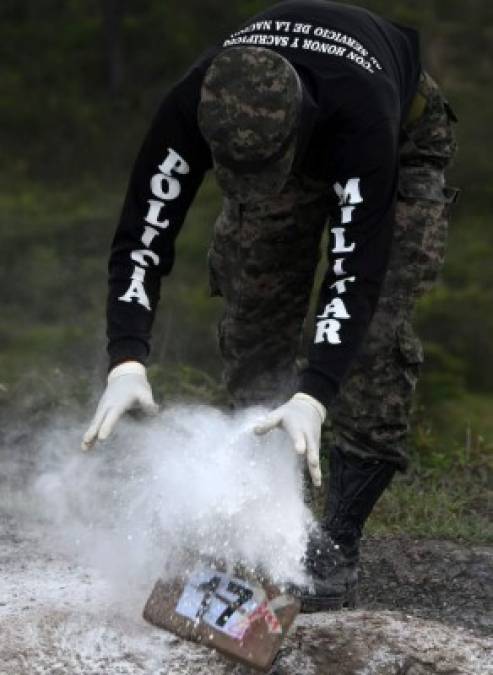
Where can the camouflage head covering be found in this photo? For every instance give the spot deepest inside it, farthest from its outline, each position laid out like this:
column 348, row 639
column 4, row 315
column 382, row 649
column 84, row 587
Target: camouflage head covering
column 249, row 114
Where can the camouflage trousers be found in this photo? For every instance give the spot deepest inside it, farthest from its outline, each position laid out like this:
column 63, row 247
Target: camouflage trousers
column 263, row 260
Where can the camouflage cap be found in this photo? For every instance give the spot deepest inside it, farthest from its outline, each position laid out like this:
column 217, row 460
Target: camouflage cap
column 249, row 114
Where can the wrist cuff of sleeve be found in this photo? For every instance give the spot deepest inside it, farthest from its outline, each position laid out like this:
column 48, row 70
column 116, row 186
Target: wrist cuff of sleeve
column 318, row 387
column 127, row 350
column 312, row 401
column 127, row 368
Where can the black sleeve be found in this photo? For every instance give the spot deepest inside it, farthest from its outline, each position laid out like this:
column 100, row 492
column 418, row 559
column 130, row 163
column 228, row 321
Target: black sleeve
column 165, row 178
column 365, row 186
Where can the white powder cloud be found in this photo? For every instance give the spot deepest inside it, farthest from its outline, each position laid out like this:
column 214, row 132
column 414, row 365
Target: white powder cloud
column 193, row 482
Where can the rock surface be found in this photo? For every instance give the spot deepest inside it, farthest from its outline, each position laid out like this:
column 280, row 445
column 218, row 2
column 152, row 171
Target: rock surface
column 60, row 619
column 426, row 607
column 449, row 582
column 381, row 643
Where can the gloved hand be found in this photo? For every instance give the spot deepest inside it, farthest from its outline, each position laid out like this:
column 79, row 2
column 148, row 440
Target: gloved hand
column 127, row 388
column 302, row 417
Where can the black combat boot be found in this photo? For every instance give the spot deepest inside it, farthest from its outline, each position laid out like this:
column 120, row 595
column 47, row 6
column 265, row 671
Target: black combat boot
column 332, row 554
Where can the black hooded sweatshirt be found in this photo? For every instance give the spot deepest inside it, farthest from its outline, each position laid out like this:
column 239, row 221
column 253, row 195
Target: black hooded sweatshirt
column 361, row 73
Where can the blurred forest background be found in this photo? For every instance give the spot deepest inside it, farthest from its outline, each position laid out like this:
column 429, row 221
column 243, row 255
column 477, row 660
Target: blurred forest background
column 79, row 83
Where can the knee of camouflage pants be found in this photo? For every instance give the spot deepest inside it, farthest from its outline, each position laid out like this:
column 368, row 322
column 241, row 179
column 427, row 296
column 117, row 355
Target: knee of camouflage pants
column 371, row 415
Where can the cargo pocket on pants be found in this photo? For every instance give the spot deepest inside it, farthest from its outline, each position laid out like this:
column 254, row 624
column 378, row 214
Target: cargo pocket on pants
column 425, row 203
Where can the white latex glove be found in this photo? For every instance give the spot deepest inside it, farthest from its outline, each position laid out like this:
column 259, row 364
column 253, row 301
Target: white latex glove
column 302, row 417
column 127, row 388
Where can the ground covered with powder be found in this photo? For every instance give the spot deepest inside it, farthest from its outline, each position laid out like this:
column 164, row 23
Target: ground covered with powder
column 60, row 618
column 83, row 539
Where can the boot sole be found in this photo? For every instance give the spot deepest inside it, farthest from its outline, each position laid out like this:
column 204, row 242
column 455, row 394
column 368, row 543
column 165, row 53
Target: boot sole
column 324, row 603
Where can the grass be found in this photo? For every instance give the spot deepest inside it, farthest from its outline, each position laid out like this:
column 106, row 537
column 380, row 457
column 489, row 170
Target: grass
column 439, row 508
column 447, row 492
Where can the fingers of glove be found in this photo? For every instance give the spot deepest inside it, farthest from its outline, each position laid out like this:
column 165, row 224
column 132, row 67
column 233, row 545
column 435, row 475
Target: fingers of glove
column 114, row 414
column 299, row 442
column 294, row 430
column 150, row 408
column 147, row 403
column 270, row 422
column 91, row 434
column 313, row 459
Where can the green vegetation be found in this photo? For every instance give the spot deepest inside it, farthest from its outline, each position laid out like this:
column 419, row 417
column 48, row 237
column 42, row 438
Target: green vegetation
column 80, row 83
column 447, row 492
